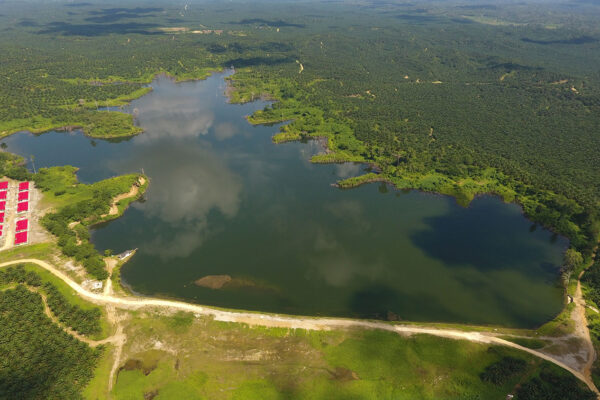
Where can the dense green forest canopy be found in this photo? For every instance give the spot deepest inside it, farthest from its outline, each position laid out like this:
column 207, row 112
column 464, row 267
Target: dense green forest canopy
column 458, row 97
column 39, row 359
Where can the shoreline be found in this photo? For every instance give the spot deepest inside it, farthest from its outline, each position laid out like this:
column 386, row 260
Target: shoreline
column 123, row 102
column 321, row 321
column 289, row 322
column 324, row 141
column 377, row 178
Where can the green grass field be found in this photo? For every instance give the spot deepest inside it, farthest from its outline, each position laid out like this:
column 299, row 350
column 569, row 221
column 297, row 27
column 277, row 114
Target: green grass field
column 179, row 355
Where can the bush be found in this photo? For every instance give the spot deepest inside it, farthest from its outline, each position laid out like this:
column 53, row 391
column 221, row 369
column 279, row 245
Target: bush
column 553, row 385
column 501, row 371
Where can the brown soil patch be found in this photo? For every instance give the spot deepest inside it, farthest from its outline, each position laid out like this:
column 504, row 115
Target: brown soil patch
column 132, row 365
column 213, row 281
column 150, row 395
column 227, row 282
column 114, row 209
column 344, row 375
column 174, row 29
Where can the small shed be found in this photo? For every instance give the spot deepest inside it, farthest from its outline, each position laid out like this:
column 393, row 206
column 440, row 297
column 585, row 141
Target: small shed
column 23, row 186
column 22, row 225
column 21, row 207
column 21, row 238
column 96, row 285
column 125, row 254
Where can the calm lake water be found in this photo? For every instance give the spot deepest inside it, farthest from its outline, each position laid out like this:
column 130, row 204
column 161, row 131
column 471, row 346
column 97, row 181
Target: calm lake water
column 225, row 200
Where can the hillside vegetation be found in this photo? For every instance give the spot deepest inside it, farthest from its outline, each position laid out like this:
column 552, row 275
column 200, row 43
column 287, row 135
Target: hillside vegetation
column 213, row 360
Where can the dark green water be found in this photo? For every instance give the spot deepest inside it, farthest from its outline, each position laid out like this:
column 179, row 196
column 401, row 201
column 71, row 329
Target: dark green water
column 224, row 200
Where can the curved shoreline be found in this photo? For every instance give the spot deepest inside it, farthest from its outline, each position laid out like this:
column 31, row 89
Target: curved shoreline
column 122, row 101
column 283, row 321
column 318, row 323
column 325, row 143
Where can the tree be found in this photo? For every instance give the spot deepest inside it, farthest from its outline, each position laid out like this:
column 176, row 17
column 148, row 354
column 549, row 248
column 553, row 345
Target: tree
column 573, row 259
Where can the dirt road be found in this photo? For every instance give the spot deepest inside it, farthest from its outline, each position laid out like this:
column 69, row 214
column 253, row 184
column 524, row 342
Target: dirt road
column 581, row 328
column 114, row 209
column 280, row 321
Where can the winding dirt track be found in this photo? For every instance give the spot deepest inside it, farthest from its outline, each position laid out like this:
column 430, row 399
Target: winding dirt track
column 582, row 327
column 279, row 321
column 114, row 208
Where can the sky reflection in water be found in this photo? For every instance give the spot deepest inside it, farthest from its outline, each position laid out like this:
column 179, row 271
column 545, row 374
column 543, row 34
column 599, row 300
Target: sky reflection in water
column 225, row 200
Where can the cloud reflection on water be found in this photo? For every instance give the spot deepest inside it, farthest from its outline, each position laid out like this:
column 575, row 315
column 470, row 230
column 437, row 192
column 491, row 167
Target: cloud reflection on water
column 225, row 130
column 183, row 195
column 347, row 170
column 174, row 118
column 189, row 180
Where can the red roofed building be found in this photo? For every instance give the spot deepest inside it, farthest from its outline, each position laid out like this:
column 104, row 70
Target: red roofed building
column 2, row 205
column 22, row 225
column 23, row 186
column 1, row 218
column 4, row 193
column 21, row 207
column 21, row 238
column 22, row 196
column 3, row 185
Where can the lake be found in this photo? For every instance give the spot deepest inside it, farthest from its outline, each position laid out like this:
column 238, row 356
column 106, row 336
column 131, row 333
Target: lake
column 225, row 200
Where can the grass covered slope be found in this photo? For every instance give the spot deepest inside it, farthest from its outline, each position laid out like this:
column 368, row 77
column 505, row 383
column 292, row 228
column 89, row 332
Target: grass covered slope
column 197, row 358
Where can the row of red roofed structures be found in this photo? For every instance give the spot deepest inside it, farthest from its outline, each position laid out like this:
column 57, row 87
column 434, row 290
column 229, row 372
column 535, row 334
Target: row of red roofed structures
column 22, row 223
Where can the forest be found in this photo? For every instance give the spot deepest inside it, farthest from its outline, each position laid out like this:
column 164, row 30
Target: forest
column 443, row 97
column 40, row 360
column 438, row 98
